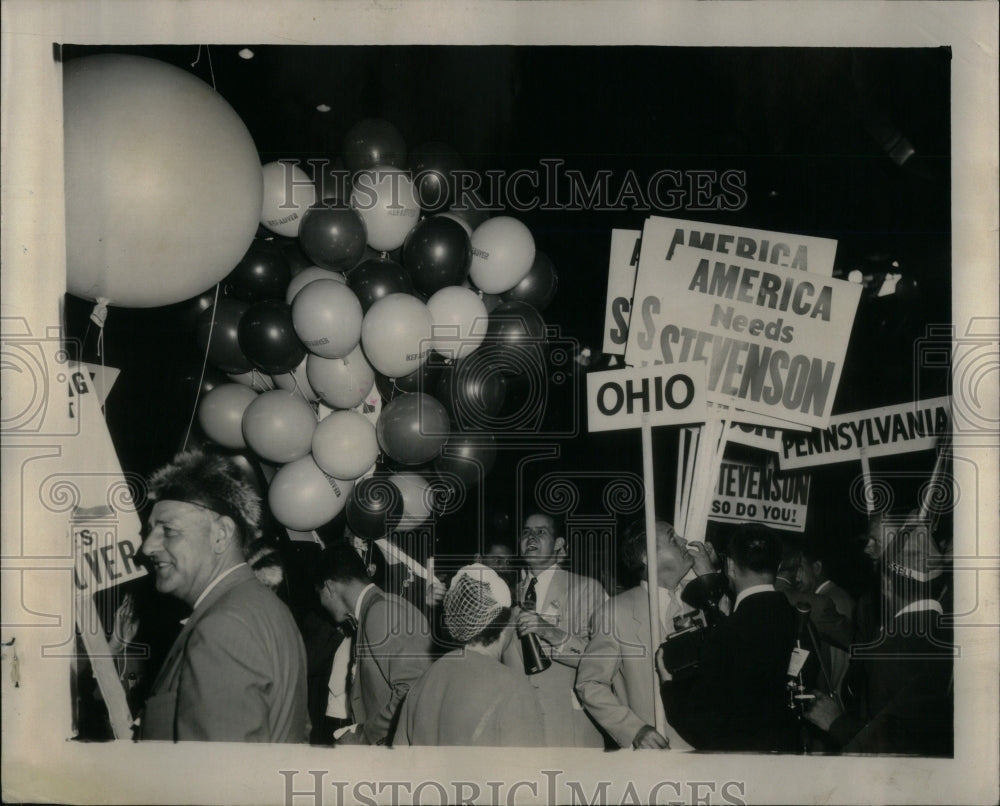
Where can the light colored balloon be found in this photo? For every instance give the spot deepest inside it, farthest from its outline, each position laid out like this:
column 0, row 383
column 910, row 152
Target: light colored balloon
column 414, row 488
column 342, row 383
column 278, row 426
column 297, row 381
column 503, row 250
column 302, row 497
column 163, row 182
column 288, row 193
column 395, row 334
column 345, row 445
column 255, row 379
column 456, row 217
column 387, row 202
column 220, row 413
column 327, row 318
column 308, row 275
column 459, row 321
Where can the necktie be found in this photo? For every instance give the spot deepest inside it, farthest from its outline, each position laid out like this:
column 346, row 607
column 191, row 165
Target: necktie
column 530, row 595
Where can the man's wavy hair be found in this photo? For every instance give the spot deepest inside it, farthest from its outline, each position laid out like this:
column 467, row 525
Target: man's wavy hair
column 214, row 482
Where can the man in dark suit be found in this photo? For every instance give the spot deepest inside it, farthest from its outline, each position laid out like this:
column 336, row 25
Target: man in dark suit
column 237, row 671
column 737, row 700
column 390, row 649
column 904, row 702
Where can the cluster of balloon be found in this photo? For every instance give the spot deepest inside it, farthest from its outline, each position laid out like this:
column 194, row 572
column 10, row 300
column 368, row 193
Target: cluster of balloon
column 398, row 274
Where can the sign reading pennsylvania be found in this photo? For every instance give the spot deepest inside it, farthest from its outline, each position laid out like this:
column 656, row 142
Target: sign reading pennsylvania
column 624, row 398
column 760, row 494
column 876, row 432
column 774, row 338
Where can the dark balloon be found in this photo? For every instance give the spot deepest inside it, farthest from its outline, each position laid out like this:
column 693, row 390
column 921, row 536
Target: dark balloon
column 219, row 335
column 424, row 379
column 190, row 311
column 268, row 339
column 412, row 428
column 372, row 142
column 333, row 182
column 263, row 273
column 471, row 209
column 296, row 257
column 433, row 166
column 468, row 456
column 333, row 237
column 516, row 323
column 374, row 507
column 437, row 252
column 371, row 280
column 194, row 383
column 473, row 392
column 539, row 285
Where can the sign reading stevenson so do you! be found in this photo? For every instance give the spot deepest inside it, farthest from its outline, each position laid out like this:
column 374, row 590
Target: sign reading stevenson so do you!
column 774, row 336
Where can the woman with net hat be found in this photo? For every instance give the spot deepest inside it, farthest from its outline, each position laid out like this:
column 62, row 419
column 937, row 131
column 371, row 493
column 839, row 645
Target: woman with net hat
column 468, row 697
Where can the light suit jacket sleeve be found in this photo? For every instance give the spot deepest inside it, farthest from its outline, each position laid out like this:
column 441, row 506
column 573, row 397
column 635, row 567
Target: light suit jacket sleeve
column 221, row 696
column 600, row 666
column 571, row 601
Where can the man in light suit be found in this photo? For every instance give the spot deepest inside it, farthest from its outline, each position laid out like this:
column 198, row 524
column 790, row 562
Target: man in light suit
column 556, row 605
column 237, row 671
column 615, row 679
column 390, row 650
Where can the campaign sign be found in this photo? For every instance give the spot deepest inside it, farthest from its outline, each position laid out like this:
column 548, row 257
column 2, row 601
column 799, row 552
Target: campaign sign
column 625, row 398
column 103, row 557
column 622, row 267
column 876, row 432
column 774, row 338
column 760, row 494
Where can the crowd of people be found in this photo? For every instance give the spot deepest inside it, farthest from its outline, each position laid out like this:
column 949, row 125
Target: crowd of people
column 762, row 651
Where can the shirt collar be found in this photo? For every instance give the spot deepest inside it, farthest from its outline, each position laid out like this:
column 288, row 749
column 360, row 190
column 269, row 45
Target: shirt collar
column 823, row 585
column 211, row 585
column 361, row 598
column 922, row 604
column 751, row 591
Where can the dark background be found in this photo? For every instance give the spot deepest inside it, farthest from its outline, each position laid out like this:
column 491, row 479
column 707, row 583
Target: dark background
column 813, row 129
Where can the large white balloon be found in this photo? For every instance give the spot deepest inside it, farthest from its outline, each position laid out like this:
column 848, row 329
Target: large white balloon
column 503, row 250
column 342, row 383
column 288, row 193
column 163, row 182
column 345, row 445
column 297, row 381
column 459, row 321
column 387, row 202
column 327, row 318
column 302, row 497
column 395, row 334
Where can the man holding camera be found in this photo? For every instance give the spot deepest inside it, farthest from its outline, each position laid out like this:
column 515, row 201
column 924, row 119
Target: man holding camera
column 737, row 700
column 615, row 678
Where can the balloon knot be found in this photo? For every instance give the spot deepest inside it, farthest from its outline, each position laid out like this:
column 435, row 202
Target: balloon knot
column 100, row 313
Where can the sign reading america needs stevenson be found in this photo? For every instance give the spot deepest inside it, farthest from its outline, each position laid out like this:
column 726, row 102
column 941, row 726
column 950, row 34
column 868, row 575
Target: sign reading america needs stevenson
column 774, row 338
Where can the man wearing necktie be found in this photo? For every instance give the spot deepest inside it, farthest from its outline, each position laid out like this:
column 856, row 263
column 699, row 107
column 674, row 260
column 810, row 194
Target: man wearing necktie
column 615, row 678
column 556, row 606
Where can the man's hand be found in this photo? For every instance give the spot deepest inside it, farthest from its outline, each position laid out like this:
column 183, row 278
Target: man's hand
column 435, row 591
column 648, row 739
column 824, row 711
column 530, row 622
column 706, row 561
column 661, row 668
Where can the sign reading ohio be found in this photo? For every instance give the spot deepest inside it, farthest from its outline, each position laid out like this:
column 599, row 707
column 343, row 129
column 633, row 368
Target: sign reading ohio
column 773, row 338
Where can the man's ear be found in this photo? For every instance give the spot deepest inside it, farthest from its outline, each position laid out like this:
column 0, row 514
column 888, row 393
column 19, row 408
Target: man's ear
column 223, row 534
column 559, row 544
column 817, row 568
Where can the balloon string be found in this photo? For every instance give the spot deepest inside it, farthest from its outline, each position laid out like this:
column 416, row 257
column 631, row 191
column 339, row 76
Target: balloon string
column 211, row 70
column 99, row 316
column 204, row 365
